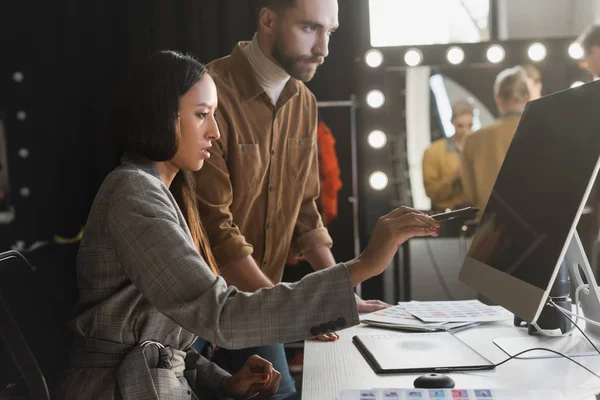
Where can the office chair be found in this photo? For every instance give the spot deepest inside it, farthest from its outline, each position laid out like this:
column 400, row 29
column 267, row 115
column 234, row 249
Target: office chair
column 32, row 334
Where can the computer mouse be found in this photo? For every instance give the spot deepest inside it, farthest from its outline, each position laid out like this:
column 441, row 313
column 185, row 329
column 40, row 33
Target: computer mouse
column 434, row 381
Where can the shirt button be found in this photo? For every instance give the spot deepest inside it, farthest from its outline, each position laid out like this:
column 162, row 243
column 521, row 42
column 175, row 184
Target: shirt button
column 265, row 262
column 271, row 188
column 244, row 149
column 301, row 142
column 268, row 226
column 272, row 152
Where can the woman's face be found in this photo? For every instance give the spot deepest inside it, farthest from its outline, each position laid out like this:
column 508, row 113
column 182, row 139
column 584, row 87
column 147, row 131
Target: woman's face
column 196, row 125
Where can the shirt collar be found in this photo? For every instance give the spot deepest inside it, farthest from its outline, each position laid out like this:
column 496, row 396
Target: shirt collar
column 247, row 82
column 512, row 113
column 451, row 146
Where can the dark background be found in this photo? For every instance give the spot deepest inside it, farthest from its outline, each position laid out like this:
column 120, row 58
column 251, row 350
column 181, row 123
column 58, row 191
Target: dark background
column 73, row 54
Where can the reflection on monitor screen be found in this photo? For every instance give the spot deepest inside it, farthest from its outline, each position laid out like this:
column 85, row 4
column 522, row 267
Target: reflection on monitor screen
column 537, row 200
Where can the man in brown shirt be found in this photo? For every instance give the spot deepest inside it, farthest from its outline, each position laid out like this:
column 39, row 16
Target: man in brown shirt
column 485, row 149
column 263, row 172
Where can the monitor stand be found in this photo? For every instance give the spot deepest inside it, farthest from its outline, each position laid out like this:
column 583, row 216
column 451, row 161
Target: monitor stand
column 589, row 297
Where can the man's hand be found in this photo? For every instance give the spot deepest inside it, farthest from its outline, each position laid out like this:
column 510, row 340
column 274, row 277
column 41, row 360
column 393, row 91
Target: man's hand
column 368, row 306
column 257, row 376
column 327, row 337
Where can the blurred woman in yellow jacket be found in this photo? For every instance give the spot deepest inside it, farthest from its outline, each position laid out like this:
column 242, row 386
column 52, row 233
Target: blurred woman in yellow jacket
column 441, row 161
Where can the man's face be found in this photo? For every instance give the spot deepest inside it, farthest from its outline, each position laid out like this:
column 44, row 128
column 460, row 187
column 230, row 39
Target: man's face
column 301, row 36
column 463, row 124
column 592, row 59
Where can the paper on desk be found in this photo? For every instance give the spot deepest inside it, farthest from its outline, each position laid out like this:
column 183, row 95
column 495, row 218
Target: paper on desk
column 456, row 311
column 450, row 394
column 396, row 317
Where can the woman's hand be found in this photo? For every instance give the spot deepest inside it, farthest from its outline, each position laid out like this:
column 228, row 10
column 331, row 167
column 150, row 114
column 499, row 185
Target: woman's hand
column 389, row 233
column 327, row 337
column 257, row 376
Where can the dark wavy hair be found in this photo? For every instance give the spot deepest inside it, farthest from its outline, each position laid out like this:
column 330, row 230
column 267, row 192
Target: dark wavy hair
column 145, row 121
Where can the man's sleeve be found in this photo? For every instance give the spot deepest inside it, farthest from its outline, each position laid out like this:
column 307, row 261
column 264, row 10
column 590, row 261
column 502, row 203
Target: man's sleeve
column 215, row 194
column 467, row 175
column 309, row 230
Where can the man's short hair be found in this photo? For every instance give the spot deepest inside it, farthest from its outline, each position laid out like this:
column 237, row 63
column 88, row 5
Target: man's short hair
column 461, row 107
column 511, row 85
column 589, row 38
column 277, row 5
column 533, row 73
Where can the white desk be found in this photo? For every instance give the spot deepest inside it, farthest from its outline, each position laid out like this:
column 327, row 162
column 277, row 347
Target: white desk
column 331, row 367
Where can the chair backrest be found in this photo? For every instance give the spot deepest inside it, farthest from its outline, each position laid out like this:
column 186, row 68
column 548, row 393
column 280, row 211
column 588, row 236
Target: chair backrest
column 33, row 335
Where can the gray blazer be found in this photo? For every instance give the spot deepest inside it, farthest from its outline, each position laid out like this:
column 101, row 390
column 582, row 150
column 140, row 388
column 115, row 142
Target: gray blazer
column 141, row 278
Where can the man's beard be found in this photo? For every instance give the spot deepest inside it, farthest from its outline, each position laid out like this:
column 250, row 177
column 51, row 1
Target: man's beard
column 294, row 66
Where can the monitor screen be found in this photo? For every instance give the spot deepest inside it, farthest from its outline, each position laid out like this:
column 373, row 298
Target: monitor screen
column 537, row 200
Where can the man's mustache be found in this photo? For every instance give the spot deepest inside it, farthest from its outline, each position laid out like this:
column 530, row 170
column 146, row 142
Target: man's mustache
column 318, row 60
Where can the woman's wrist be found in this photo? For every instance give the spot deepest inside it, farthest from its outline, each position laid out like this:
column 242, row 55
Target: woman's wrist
column 359, row 271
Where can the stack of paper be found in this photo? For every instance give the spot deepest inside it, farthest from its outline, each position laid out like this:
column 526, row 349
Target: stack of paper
column 450, row 394
column 430, row 316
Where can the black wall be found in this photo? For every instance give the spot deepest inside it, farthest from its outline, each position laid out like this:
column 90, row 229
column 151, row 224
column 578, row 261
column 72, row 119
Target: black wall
column 72, row 55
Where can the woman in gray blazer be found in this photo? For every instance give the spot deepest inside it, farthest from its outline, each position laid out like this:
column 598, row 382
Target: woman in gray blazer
column 148, row 282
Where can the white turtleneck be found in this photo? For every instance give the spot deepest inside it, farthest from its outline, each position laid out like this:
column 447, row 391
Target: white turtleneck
column 270, row 76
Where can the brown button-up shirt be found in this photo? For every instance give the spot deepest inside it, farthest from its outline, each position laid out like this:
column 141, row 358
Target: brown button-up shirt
column 483, row 156
column 258, row 190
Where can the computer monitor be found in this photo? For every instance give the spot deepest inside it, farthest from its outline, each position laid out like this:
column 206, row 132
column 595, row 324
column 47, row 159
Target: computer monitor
column 538, row 197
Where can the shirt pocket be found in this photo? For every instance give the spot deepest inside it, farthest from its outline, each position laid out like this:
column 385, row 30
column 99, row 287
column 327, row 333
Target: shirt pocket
column 299, row 153
column 247, row 164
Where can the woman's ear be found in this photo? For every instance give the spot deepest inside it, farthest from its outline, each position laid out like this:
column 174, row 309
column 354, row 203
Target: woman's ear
column 178, row 125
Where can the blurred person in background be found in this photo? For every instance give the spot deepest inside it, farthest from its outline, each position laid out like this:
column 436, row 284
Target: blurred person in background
column 441, row 161
column 485, row 149
column 535, row 81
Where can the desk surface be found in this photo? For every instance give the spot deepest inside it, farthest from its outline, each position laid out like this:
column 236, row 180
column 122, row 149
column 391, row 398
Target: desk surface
column 331, row 367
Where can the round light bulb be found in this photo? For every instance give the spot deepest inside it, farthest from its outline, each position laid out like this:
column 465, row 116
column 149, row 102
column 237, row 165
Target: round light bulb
column 18, row 76
column 536, row 52
column 413, row 57
column 377, row 139
column 375, row 99
column 455, row 55
column 378, row 180
column 495, row 54
column 24, row 192
column 23, row 153
column 374, row 58
column 576, row 51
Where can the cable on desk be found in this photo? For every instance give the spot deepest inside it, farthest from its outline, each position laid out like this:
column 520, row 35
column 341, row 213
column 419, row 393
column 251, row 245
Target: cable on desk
column 527, row 351
column 437, row 270
column 563, row 312
column 551, row 351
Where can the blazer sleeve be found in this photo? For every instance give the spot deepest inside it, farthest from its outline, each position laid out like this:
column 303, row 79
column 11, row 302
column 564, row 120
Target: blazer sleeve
column 159, row 257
